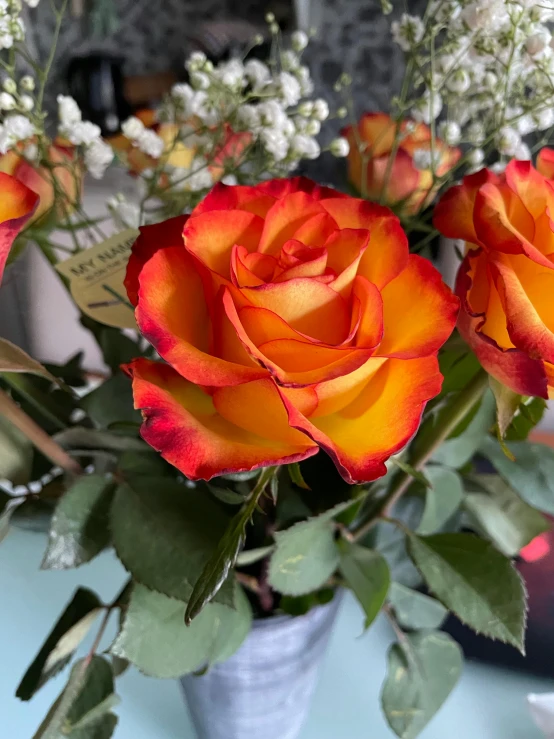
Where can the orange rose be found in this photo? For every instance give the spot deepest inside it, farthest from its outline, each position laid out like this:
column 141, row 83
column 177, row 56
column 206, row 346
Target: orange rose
column 408, row 187
column 17, row 204
column 291, row 318
column 41, row 179
column 506, row 281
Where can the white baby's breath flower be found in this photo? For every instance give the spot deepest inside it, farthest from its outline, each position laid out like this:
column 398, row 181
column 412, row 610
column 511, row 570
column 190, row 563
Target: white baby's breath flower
column 31, row 152
column 299, row 40
column 459, row 81
column 508, row 141
column 306, row 108
column 10, row 85
column 408, row 31
column 475, row 133
column 132, row 128
column 422, row 159
column 124, row 213
column 303, row 76
column 229, row 179
column 275, row 143
column 523, row 152
column 231, row 73
column 150, row 143
column 16, row 128
column 27, row 83
column 7, row 101
column 320, row 109
column 428, row 107
column 32, row 3
column 196, row 61
column 311, row 127
column 257, row 73
column 199, row 80
column 98, row 157
column 537, row 42
column 544, row 118
column 248, row 117
column 82, row 133
column 339, row 147
column 289, row 88
column 525, row 125
column 450, row 132
column 289, row 60
column 27, row 102
column 304, row 147
column 476, row 157
column 68, row 110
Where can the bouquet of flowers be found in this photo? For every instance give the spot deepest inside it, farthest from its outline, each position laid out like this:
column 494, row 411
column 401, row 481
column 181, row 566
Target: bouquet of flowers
column 294, row 411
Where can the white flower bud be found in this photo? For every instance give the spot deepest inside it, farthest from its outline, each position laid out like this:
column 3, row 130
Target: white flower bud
column 342, row 112
column 476, row 157
column 408, row 31
column 544, row 119
column 525, row 125
column 258, row 39
column 537, row 42
column 9, row 85
column 299, row 40
column 98, row 157
column 508, row 141
column 7, row 101
column 475, row 133
column 306, row 109
column 27, row 83
column 339, row 147
column 321, row 110
column 312, row 127
column 27, row 102
column 523, row 152
column 270, row 18
column 196, row 61
column 450, row 132
column 305, row 146
column 459, row 81
column 31, row 152
column 422, row 159
column 68, row 110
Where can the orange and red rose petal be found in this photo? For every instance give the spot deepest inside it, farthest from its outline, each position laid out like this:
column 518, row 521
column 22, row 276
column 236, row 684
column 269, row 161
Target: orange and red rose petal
column 192, row 429
column 17, row 204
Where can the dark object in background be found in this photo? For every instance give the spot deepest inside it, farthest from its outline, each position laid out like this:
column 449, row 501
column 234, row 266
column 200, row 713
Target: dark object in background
column 96, row 83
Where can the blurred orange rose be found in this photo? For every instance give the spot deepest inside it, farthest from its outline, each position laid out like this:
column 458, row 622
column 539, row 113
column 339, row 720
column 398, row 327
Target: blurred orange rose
column 292, row 318
column 545, row 162
column 17, row 204
column 65, row 173
column 506, row 281
column 408, row 187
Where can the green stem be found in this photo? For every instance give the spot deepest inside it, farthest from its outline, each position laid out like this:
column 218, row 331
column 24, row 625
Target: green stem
column 59, row 18
column 464, row 403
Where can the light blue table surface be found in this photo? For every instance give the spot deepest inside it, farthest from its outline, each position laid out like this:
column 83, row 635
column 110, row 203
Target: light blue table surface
column 487, row 704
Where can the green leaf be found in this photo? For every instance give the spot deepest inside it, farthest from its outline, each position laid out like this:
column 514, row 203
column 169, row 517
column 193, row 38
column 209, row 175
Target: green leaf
column 14, row 359
column 531, row 475
column 421, row 674
column 217, row 568
column 144, row 463
column 296, row 476
column 89, row 688
column 529, row 413
column 72, row 372
column 475, row 581
column 507, row 403
column 415, row 610
column 230, row 497
column 154, row 636
column 300, row 605
column 111, row 401
column 116, row 347
column 458, row 367
column 411, row 471
column 79, row 529
column 78, row 437
column 366, row 572
column 506, row 520
column 250, row 556
column 457, row 451
column 442, row 499
column 16, row 454
column 60, row 645
column 305, row 557
column 164, row 533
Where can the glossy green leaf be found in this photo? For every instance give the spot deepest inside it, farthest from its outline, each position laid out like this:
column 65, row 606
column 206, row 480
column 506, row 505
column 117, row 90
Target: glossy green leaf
column 502, row 516
column 442, row 498
column 296, row 476
column 367, row 574
column 415, row 610
column 531, row 475
column 421, row 674
column 154, row 636
column 164, row 533
column 79, row 529
column 475, row 581
column 250, row 556
column 411, row 471
column 528, row 415
column 14, row 359
column 60, row 645
column 78, row 437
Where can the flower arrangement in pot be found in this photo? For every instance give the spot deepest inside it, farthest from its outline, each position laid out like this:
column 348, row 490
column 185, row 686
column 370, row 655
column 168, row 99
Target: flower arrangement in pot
column 292, row 415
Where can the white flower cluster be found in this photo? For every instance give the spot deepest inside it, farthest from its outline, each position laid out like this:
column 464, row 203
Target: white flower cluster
column 484, row 66
column 268, row 102
column 143, row 138
column 13, row 129
column 125, row 213
column 12, row 28
column 97, row 154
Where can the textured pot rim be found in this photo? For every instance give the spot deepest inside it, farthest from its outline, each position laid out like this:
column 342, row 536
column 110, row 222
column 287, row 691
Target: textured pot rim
column 262, row 623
